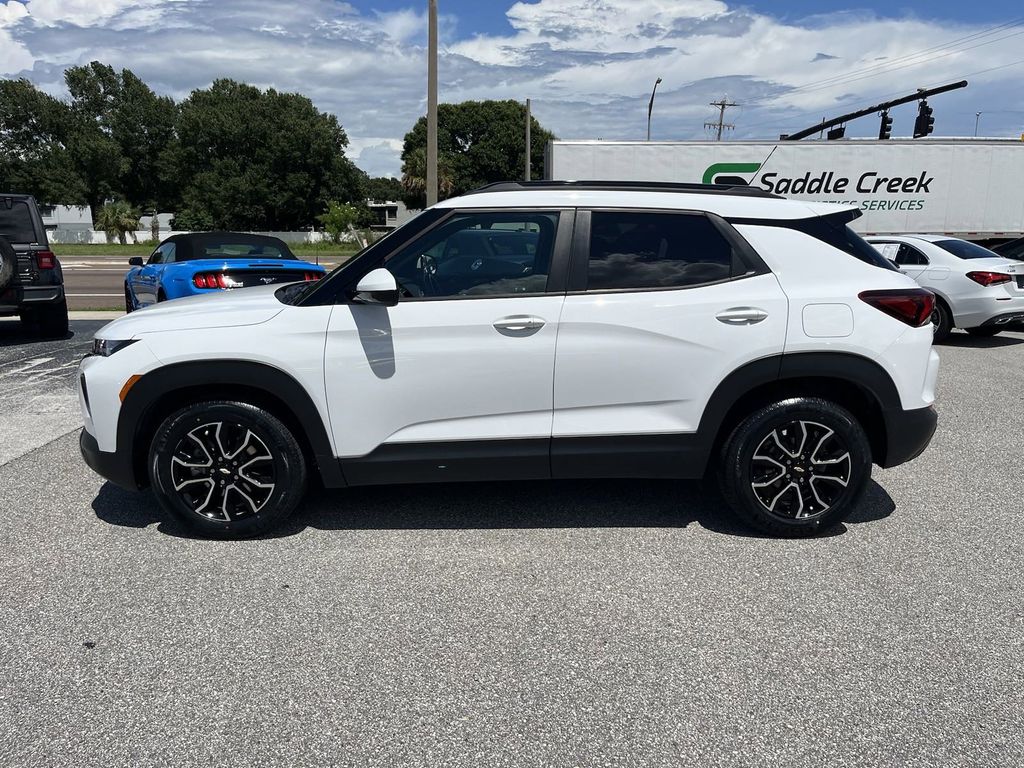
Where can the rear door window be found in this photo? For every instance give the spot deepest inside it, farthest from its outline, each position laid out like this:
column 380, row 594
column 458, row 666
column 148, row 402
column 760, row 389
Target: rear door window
column 908, row 256
column 643, row 250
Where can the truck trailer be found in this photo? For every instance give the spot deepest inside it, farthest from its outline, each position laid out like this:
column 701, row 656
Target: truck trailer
column 969, row 188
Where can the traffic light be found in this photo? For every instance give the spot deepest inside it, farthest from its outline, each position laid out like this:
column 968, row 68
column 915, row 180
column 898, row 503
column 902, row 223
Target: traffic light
column 925, row 123
column 885, row 129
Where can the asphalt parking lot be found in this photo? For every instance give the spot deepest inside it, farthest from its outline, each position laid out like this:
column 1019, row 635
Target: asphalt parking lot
column 563, row 624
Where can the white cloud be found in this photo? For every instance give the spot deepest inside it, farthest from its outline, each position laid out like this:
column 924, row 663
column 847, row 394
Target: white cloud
column 588, row 65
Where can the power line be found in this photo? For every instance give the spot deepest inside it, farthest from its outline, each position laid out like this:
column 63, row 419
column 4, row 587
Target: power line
column 901, row 62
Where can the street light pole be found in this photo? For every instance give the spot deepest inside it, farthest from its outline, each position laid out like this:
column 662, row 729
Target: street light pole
column 432, row 103
column 650, row 107
column 977, row 118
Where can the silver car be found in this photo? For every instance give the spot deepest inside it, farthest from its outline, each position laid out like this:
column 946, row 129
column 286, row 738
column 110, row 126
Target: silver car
column 976, row 289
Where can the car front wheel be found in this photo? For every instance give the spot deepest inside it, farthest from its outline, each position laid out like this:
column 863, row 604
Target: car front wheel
column 795, row 467
column 227, row 469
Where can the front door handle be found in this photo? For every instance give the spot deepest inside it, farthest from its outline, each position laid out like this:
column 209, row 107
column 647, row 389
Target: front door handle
column 742, row 316
column 519, row 324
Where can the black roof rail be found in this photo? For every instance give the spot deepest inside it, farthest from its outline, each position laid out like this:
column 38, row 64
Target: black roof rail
column 741, row 190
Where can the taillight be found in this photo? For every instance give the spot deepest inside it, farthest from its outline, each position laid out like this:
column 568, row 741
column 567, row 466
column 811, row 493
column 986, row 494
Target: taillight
column 46, row 260
column 912, row 306
column 311, row 276
column 209, row 280
column 989, row 278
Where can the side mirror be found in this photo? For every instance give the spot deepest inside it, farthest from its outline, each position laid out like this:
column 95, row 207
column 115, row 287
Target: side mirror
column 377, row 287
column 135, row 261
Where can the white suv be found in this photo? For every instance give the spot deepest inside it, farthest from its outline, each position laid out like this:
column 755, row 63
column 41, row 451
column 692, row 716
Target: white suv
column 532, row 331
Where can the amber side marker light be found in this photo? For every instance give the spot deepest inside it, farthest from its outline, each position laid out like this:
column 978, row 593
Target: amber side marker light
column 127, row 386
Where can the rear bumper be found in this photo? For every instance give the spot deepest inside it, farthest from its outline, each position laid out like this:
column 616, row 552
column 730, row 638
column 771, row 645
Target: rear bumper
column 19, row 296
column 1004, row 320
column 114, row 467
column 988, row 311
column 908, row 434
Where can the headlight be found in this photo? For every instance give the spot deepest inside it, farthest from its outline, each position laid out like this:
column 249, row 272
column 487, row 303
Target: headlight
column 107, row 347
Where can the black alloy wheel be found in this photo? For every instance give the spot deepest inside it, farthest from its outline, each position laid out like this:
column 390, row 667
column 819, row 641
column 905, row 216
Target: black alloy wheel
column 795, row 467
column 227, row 469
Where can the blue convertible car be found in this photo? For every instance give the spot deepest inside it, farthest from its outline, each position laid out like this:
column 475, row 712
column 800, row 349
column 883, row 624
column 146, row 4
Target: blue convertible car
column 203, row 262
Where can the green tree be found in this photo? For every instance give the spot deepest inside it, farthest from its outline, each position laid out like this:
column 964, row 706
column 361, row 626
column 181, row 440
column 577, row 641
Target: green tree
column 381, row 188
column 34, row 154
column 261, row 160
column 117, row 219
column 121, row 131
column 414, row 177
column 338, row 218
column 483, row 141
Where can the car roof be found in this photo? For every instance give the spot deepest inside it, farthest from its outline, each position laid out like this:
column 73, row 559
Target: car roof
column 899, row 238
column 709, row 198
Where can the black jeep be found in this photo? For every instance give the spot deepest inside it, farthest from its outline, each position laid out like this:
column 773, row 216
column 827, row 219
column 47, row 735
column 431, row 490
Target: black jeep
column 31, row 280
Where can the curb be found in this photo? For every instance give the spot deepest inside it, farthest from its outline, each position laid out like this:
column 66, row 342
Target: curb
column 94, row 314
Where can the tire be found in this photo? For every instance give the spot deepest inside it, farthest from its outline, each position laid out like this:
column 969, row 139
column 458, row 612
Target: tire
column 205, row 497
column 161, row 296
column 8, row 264
column 773, row 498
column 984, row 331
column 129, row 305
column 52, row 319
column 942, row 320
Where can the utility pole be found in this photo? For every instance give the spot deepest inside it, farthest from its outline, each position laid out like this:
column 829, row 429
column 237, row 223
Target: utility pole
column 977, row 119
column 432, row 103
column 722, row 105
column 527, row 175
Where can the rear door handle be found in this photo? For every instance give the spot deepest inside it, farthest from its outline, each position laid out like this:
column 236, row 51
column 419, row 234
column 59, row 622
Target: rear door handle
column 519, row 324
column 742, row 316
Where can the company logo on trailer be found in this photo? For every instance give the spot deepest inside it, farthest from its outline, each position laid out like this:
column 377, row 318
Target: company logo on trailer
column 819, row 183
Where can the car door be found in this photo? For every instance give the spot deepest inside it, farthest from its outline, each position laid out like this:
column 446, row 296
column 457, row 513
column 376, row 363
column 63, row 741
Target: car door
column 146, row 282
column 455, row 381
column 661, row 307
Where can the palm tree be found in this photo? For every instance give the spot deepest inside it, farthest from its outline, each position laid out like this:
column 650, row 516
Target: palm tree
column 117, row 219
column 414, row 175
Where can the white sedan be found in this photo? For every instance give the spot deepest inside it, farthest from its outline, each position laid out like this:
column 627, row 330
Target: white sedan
column 976, row 289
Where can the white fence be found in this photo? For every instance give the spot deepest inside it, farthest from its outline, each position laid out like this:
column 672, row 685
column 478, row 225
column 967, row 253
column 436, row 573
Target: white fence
column 61, row 235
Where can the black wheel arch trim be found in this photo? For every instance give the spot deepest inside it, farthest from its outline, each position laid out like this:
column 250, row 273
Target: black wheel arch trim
column 135, row 417
column 865, row 374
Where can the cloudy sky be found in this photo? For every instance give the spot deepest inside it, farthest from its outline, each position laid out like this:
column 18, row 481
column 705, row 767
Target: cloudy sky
column 588, row 65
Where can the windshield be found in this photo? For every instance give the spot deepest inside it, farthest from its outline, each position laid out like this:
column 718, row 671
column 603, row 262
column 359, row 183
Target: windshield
column 964, row 249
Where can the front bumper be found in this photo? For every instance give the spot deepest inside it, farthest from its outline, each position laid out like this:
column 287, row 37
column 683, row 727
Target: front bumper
column 908, row 434
column 114, row 467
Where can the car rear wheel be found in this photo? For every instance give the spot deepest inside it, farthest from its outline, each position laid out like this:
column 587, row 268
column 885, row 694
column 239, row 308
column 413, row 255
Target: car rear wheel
column 984, row 331
column 942, row 321
column 227, row 469
column 52, row 319
column 795, row 467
